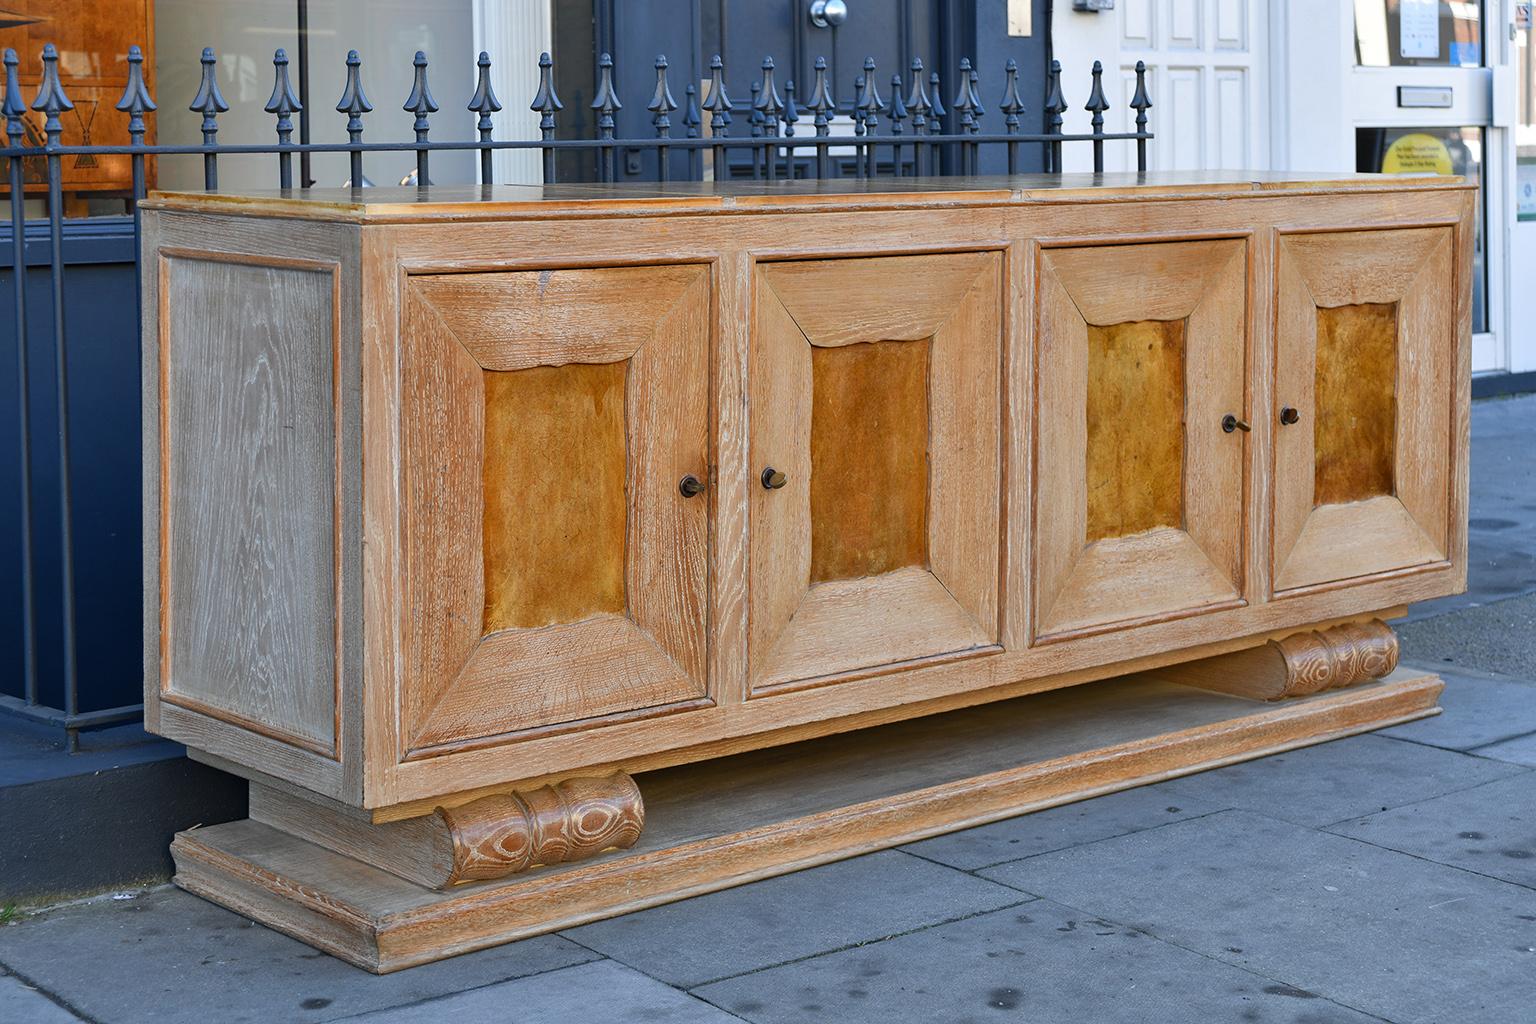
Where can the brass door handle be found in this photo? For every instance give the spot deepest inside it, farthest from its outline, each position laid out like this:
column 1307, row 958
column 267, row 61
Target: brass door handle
column 690, row 485
column 1289, row 415
column 1230, row 423
column 773, row 479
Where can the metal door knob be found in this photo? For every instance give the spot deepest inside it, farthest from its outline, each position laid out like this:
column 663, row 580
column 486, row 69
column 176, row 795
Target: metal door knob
column 1230, row 423
column 773, row 479
column 828, row 13
column 690, row 485
column 1289, row 415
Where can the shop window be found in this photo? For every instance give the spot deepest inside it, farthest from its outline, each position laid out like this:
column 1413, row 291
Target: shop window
column 1435, row 151
column 1418, row 33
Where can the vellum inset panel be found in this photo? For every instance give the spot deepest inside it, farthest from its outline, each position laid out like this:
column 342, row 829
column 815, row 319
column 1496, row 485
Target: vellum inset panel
column 1355, row 429
column 554, row 516
column 869, row 458
column 1135, row 472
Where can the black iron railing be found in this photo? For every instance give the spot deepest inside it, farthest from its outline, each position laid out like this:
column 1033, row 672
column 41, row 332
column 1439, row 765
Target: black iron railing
column 910, row 129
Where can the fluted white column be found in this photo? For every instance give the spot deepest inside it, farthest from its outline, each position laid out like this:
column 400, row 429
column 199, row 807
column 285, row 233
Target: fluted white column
column 514, row 32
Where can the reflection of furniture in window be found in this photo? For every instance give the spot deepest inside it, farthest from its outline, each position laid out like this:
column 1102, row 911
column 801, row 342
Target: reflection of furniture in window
column 463, row 510
column 93, row 38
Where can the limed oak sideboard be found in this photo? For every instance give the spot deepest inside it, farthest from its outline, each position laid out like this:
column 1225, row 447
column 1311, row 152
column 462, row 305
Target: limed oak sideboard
column 539, row 554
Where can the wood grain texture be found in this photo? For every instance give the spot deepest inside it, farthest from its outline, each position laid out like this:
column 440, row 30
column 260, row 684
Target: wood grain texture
column 1375, row 524
column 597, row 565
column 1139, row 495
column 250, row 515
column 554, row 511
column 1355, row 429
column 1135, row 442
column 1297, row 665
column 909, row 400
column 762, row 814
column 869, row 458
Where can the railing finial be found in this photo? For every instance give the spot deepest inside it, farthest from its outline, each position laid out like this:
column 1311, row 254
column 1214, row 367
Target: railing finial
column 1011, row 105
column 662, row 104
column 484, row 101
column 51, row 98
column 716, row 101
column 768, row 102
column 209, row 101
column 135, row 101
column 917, row 99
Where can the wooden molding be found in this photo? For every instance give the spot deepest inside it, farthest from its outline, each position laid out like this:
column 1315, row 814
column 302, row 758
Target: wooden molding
column 1297, row 665
column 494, row 836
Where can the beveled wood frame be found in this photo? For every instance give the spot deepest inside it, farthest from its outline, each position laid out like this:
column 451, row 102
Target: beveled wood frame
column 802, row 632
column 461, row 686
column 1083, row 586
column 1410, row 529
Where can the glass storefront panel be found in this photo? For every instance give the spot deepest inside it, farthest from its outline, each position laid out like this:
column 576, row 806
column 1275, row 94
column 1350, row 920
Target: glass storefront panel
column 1435, row 151
column 1418, row 33
column 93, row 37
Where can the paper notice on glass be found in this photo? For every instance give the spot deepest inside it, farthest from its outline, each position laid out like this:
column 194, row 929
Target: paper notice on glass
column 1419, row 28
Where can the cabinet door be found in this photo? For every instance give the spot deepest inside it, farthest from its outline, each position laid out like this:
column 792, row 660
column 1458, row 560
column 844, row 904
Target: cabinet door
column 875, row 407
column 1139, row 475
column 554, row 569
column 1365, row 335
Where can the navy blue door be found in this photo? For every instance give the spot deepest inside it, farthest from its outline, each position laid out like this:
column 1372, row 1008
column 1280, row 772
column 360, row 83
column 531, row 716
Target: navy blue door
column 743, row 32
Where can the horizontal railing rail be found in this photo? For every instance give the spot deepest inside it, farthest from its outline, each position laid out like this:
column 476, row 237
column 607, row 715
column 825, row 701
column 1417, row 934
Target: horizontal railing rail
column 909, row 130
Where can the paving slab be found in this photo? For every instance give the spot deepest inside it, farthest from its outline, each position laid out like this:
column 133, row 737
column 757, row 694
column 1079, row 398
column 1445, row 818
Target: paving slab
column 1377, row 930
column 1501, row 542
column 1498, row 637
column 1479, row 708
column 1059, row 827
column 1490, row 829
column 792, row 916
column 22, row 1004
column 1044, row 963
column 1521, row 750
column 602, row 990
column 171, row 958
column 1343, row 779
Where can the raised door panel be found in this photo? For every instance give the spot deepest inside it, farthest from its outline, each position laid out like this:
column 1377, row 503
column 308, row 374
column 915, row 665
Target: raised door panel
column 1365, row 336
column 876, row 402
column 555, row 571
column 1138, row 505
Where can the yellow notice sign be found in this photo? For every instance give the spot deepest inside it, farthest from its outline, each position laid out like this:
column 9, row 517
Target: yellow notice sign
column 1417, row 153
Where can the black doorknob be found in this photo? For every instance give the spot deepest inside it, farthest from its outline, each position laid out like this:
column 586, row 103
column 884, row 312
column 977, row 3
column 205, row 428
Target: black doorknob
column 773, row 479
column 1289, row 415
column 1230, row 423
column 690, row 485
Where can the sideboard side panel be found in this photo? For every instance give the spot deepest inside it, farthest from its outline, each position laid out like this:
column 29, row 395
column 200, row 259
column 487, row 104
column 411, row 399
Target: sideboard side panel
column 252, row 597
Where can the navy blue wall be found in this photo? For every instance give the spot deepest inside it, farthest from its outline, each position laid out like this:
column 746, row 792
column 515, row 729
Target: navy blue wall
column 101, row 315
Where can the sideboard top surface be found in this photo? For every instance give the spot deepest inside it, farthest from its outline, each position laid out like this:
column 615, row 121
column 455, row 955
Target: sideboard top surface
column 474, row 202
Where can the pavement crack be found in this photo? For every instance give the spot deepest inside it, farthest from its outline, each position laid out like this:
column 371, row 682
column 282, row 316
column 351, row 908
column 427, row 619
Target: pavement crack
column 52, row 997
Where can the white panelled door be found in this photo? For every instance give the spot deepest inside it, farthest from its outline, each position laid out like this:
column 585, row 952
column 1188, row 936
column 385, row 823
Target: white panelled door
column 1207, row 63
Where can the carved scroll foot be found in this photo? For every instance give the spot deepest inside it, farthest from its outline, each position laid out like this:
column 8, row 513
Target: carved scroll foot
column 511, row 832
column 1297, row 665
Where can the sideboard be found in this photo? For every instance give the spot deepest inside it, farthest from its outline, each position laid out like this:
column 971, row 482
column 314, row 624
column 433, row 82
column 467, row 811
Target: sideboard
column 541, row 553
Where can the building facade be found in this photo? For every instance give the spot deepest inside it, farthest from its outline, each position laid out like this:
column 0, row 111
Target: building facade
column 1406, row 86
